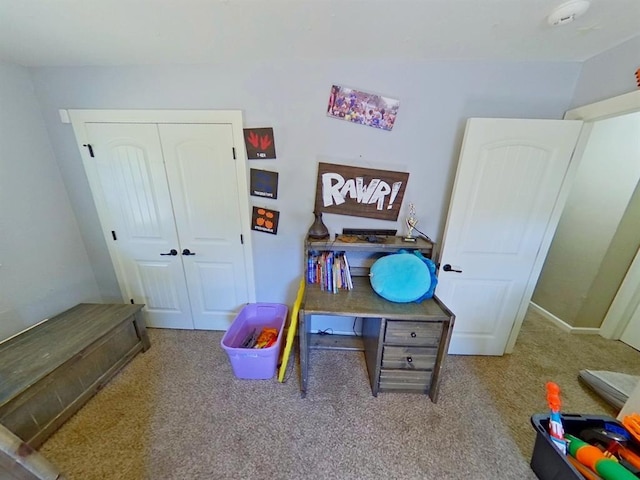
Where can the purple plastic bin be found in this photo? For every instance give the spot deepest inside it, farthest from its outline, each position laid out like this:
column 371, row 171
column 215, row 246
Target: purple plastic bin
column 255, row 363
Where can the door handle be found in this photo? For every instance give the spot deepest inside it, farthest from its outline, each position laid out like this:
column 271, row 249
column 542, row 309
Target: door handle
column 173, row 252
column 188, row 252
column 448, row 268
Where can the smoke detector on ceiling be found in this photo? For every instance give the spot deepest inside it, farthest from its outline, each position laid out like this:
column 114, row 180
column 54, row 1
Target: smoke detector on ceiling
column 568, row 12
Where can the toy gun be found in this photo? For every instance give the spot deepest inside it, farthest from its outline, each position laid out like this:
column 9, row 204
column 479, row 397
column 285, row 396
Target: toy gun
column 556, row 430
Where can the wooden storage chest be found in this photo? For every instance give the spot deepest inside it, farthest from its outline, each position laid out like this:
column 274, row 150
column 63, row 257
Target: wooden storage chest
column 49, row 371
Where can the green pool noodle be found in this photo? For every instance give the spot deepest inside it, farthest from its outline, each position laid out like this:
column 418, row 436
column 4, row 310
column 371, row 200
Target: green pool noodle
column 574, row 444
column 608, row 469
column 611, row 470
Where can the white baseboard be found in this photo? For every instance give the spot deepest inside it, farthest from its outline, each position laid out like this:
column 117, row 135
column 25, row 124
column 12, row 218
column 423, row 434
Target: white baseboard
column 564, row 326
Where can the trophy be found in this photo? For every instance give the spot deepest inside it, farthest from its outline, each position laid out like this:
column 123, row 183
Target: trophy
column 411, row 222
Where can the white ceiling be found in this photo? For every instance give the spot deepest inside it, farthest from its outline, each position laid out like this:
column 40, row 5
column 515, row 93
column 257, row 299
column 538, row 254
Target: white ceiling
column 146, row 32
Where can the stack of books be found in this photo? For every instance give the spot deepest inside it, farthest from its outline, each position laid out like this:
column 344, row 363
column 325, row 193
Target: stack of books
column 330, row 270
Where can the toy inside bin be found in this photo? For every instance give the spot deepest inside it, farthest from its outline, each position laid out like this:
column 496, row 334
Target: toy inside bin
column 255, row 363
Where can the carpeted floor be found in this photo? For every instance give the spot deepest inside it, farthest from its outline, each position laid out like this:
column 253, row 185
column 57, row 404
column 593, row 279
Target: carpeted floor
column 177, row 412
column 543, row 352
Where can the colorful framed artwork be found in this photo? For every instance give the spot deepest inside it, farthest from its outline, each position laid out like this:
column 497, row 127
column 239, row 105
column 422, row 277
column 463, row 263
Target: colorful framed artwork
column 362, row 108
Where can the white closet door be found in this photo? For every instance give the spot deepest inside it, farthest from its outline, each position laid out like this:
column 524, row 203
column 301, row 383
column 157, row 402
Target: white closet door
column 204, row 190
column 130, row 188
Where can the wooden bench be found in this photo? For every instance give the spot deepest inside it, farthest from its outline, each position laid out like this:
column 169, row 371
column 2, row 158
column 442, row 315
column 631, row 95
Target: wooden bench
column 49, row 371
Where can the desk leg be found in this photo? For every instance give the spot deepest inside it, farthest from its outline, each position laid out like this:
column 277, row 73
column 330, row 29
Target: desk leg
column 303, row 334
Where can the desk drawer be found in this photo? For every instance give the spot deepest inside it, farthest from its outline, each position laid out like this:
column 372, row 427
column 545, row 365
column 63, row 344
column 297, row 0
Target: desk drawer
column 405, row 380
column 409, row 358
column 413, row 333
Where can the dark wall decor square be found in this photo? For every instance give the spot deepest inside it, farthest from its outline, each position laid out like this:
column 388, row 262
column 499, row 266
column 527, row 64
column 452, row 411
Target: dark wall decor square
column 260, row 143
column 265, row 220
column 263, row 183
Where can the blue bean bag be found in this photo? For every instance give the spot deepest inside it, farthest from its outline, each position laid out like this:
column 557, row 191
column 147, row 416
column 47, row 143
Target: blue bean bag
column 403, row 277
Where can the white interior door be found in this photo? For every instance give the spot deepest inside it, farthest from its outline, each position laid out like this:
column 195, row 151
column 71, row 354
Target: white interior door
column 202, row 177
column 629, row 297
column 506, row 190
column 129, row 185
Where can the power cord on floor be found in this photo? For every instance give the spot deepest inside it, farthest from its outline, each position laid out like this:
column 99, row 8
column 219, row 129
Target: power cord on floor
column 353, row 327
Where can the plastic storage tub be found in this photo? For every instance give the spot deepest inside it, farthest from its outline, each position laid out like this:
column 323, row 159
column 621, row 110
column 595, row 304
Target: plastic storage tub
column 547, row 462
column 255, row 363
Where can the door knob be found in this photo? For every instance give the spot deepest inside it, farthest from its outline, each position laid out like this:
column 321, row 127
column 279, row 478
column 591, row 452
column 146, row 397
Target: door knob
column 448, row 268
column 186, row 251
column 173, row 252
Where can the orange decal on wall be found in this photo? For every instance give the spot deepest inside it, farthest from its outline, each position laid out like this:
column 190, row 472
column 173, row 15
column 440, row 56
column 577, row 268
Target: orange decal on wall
column 265, row 220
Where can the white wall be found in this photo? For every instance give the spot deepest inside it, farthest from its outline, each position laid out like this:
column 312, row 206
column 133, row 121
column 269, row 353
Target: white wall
column 606, row 179
column 435, row 100
column 44, row 265
column 609, row 74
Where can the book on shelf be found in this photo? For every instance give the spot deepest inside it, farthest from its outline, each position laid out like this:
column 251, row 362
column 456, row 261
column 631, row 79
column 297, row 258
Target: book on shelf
column 330, row 270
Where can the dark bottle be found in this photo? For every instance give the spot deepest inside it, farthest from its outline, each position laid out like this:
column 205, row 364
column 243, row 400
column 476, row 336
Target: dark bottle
column 318, row 230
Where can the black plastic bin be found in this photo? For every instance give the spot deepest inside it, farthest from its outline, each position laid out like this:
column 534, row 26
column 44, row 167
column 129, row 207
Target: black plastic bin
column 547, row 462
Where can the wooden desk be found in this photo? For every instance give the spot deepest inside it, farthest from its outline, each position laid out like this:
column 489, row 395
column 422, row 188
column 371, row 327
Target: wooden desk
column 404, row 343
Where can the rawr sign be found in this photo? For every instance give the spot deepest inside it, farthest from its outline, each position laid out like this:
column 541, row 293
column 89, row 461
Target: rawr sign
column 361, row 192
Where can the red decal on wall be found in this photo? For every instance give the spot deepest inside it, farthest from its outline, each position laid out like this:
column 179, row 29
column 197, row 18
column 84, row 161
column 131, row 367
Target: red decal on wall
column 260, row 143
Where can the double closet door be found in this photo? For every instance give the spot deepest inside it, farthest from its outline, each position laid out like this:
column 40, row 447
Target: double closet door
column 169, row 204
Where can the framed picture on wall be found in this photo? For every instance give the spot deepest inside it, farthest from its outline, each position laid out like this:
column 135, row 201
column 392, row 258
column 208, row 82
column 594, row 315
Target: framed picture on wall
column 362, row 108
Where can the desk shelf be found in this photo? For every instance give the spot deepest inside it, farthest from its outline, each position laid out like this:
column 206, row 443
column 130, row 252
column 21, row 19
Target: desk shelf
column 335, row 342
column 426, row 325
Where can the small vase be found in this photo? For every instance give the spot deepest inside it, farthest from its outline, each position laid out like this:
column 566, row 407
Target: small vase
column 318, row 230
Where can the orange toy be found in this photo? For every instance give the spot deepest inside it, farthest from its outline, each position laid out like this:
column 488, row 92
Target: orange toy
column 632, row 424
column 629, row 456
column 556, row 430
column 267, row 337
column 586, row 473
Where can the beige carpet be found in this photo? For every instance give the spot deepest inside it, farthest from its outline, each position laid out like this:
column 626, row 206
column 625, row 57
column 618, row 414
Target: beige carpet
column 177, row 412
column 545, row 353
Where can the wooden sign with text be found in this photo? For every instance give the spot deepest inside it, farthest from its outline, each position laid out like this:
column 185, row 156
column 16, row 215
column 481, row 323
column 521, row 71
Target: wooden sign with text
column 360, row 192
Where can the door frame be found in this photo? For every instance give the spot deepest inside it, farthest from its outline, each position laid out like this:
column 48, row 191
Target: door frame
column 611, row 107
column 624, row 304
column 230, row 117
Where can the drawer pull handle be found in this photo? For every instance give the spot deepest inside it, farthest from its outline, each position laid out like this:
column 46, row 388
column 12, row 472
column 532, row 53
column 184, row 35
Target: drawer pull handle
column 413, row 334
column 409, row 359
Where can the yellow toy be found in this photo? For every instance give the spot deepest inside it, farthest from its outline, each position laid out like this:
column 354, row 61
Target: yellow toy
column 291, row 334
